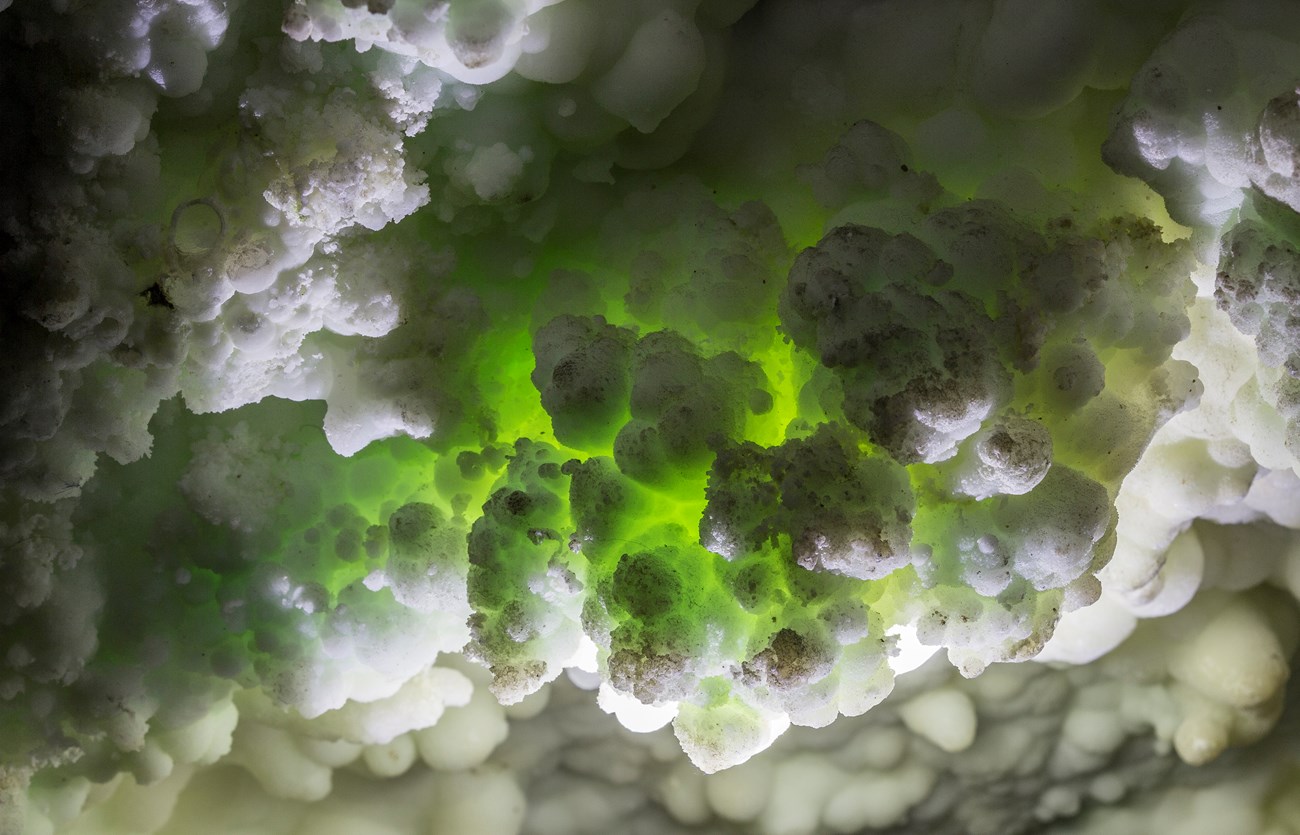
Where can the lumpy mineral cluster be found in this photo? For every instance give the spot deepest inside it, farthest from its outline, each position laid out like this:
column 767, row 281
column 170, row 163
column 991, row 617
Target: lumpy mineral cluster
column 557, row 416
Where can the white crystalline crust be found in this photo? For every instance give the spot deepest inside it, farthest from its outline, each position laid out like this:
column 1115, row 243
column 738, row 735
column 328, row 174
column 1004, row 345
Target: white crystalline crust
column 226, row 204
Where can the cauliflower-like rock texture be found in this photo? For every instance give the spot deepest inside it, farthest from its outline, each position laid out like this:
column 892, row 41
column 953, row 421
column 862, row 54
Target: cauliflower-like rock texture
column 394, row 388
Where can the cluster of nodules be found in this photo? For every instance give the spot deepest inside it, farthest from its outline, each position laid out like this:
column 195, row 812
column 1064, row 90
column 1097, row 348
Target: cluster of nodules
column 237, row 281
column 610, row 67
column 1018, row 749
column 956, row 421
column 1212, row 123
column 1258, row 286
column 1211, row 117
column 368, row 596
column 129, row 284
column 563, row 563
column 841, row 510
column 329, row 600
column 671, row 407
column 526, row 578
column 944, row 433
column 969, row 317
